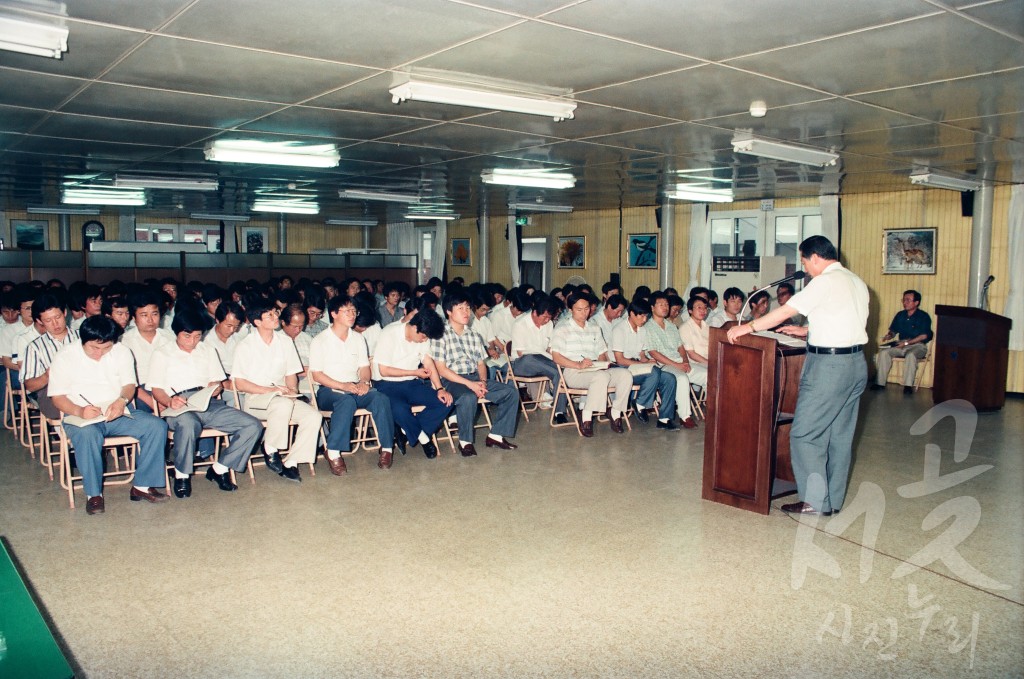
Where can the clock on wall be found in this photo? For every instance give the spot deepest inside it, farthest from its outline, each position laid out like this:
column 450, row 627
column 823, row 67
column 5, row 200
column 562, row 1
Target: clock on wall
column 92, row 230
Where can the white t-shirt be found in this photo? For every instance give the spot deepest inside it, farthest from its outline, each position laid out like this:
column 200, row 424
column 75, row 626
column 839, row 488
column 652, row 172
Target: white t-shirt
column 225, row 350
column 339, row 359
column 174, row 370
column 266, row 364
column 85, row 381
column 836, row 305
column 395, row 351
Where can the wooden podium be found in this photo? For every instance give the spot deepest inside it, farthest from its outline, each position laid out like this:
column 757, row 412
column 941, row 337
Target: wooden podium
column 752, row 390
column 972, row 350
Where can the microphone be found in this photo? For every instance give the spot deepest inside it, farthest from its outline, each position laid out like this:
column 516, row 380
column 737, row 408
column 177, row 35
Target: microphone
column 988, row 282
column 798, row 276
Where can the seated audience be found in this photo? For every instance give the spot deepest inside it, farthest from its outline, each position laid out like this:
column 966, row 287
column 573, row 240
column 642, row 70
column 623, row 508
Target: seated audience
column 630, row 346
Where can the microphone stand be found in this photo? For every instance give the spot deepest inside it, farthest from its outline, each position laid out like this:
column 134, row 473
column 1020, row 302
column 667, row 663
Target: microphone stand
column 794, row 277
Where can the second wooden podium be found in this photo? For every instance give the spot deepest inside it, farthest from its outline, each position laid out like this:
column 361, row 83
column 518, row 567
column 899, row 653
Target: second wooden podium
column 752, row 390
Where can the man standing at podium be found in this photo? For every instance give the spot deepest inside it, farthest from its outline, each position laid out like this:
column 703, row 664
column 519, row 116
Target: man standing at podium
column 835, row 373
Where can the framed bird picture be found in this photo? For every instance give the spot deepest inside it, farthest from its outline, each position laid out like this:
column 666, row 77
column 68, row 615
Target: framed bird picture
column 643, row 251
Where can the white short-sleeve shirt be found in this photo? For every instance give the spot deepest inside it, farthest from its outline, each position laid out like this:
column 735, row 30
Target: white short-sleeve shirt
column 225, row 350
column 86, row 381
column 339, row 359
column 836, row 305
column 174, row 370
column 629, row 341
column 266, row 364
column 394, row 351
column 528, row 338
column 695, row 338
column 143, row 350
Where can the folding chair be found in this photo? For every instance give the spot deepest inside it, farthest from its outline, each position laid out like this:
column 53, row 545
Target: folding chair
column 259, row 461
column 570, row 392
column 366, row 436
column 10, row 405
column 539, row 383
column 118, row 447
column 922, row 364
column 450, row 436
column 220, row 439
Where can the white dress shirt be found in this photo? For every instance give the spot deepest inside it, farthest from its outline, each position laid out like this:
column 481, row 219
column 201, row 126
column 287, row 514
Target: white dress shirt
column 86, row 381
column 836, row 305
column 337, row 358
column 394, row 351
column 266, row 364
column 143, row 350
column 174, row 370
column 528, row 338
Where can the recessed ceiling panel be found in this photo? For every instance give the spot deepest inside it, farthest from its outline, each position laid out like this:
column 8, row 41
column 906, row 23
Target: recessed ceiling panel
column 35, row 90
column 469, row 138
column 700, row 93
column 16, row 119
column 591, row 120
column 71, row 126
column 331, row 123
column 719, row 30
column 912, row 52
column 189, row 66
column 366, row 32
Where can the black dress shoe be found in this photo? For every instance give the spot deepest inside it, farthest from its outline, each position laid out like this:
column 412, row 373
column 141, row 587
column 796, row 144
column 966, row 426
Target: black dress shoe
column 94, row 505
column 643, row 415
column 292, row 474
column 468, row 450
column 430, row 450
column 803, row 508
column 223, row 481
column 183, row 487
column 616, row 425
column 909, row 391
column 587, row 428
column 561, row 418
column 877, row 387
column 504, row 444
column 668, row 426
column 273, row 462
column 400, row 440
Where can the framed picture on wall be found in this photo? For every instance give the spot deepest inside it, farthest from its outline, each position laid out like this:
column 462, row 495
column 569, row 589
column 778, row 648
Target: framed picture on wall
column 254, row 239
column 643, row 251
column 908, row 251
column 572, row 252
column 31, row 234
column 461, row 252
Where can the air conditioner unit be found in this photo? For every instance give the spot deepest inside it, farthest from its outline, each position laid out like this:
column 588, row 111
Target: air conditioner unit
column 746, row 273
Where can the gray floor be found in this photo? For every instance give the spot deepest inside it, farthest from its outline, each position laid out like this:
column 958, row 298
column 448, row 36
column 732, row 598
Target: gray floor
column 564, row 558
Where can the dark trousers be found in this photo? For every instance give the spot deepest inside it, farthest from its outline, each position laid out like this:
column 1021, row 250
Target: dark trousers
column 408, row 393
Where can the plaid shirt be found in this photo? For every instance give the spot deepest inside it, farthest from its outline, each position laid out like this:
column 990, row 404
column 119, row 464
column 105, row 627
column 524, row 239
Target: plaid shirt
column 665, row 341
column 461, row 353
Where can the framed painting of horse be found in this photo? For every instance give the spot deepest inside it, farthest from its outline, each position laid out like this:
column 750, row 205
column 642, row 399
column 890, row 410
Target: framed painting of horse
column 908, row 251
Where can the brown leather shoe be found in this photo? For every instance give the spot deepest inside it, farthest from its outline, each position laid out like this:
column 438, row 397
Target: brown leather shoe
column 616, row 424
column 384, row 460
column 587, row 428
column 468, row 450
column 151, row 495
column 688, row 423
column 94, row 505
column 338, row 467
column 803, row 508
column 504, row 444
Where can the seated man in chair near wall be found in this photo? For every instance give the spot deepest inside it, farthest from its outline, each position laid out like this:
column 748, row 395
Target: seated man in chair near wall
column 912, row 330
column 94, row 377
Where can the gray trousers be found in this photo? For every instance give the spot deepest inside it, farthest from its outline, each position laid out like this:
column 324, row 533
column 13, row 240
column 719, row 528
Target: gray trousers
column 536, row 365
column 912, row 354
column 826, row 416
column 243, row 429
column 505, row 398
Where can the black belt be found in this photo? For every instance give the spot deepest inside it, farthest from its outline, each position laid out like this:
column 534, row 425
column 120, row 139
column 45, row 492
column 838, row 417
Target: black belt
column 855, row 349
column 188, row 392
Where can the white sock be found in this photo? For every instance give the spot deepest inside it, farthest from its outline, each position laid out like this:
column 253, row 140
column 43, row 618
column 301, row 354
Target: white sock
column 385, row 450
column 663, row 420
column 179, row 475
column 616, row 414
column 218, row 468
column 465, row 443
column 333, row 454
column 270, row 449
column 423, row 437
column 588, row 416
column 144, row 489
column 496, row 437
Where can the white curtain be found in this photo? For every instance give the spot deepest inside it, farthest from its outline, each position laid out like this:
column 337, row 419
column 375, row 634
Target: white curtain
column 699, row 252
column 1014, row 309
column 830, row 218
column 439, row 251
column 513, row 249
column 402, row 239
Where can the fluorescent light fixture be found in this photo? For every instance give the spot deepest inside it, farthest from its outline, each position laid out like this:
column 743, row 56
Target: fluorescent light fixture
column 175, row 183
column 272, row 153
column 57, row 210
column 744, row 142
column 350, row 221
column 541, row 179
column 86, row 195
column 298, row 207
column 441, row 93
column 213, row 216
column 700, row 194
column 416, row 216
column 40, row 40
column 383, row 196
column 940, row 180
column 539, row 207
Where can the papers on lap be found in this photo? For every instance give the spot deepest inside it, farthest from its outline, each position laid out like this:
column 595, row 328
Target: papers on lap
column 77, row 421
column 196, row 403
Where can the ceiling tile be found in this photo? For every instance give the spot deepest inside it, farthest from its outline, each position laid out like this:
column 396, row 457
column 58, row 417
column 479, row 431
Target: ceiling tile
column 36, row 90
column 331, row 123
